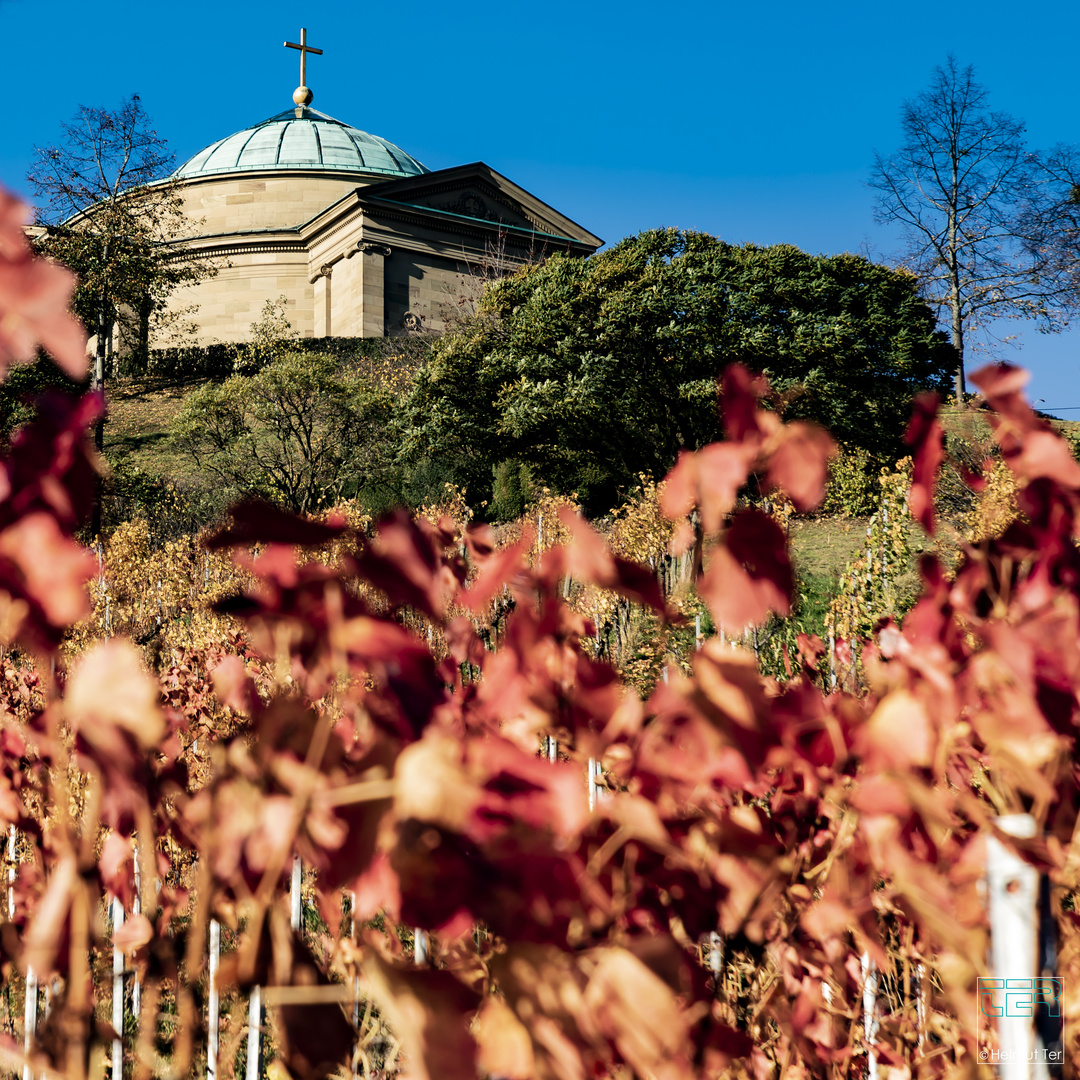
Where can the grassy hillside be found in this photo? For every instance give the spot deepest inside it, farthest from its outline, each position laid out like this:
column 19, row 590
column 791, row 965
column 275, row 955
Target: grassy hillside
column 138, row 423
column 140, row 411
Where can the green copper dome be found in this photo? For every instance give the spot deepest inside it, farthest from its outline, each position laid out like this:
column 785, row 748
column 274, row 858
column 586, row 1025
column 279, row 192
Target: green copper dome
column 301, row 138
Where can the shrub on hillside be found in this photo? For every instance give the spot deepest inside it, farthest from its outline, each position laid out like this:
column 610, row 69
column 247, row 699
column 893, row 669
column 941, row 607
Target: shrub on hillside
column 593, row 371
column 302, row 432
column 853, row 489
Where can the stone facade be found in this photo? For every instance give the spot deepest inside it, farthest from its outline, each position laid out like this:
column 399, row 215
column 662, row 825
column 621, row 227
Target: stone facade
column 358, row 254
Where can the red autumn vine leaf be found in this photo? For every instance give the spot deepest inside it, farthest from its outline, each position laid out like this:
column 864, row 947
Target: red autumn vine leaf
column 35, row 299
column 709, row 479
column 799, row 463
column 749, row 574
column 926, row 437
column 45, row 573
column 588, row 559
column 1030, row 446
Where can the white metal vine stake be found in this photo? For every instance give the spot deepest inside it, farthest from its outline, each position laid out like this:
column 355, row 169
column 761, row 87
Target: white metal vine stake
column 118, row 994
column 420, row 947
column 296, row 893
column 30, row 1023
column 213, row 1004
column 136, row 909
column 11, row 873
column 254, row 1031
column 356, row 989
column 869, row 1003
column 1013, row 887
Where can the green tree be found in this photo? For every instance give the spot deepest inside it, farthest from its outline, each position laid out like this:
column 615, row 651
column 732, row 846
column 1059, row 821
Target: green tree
column 590, row 372
column 302, row 432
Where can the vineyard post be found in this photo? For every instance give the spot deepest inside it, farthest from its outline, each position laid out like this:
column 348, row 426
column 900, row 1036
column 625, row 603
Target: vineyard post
column 594, row 772
column 869, row 1004
column 716, row 957
column 420, row 947
column 30, row 1026
column 716, row 940
column 552, row 749
column 1013, row 886
column 885, row 541
column 870, row 559
column 118, row 993
column 136, row 909
column 11, row 873
column 853, row 627
column 356, row 989
column 254, row 1032
column 920, row 1004
column 212, row 1023
column 295, row 894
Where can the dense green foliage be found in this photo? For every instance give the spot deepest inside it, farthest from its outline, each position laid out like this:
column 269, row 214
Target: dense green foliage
column 23, row 386
column 587, row 373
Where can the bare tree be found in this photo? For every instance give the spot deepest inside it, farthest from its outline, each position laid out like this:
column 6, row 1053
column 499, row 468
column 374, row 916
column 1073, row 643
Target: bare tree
column 475, row 275
column 109, row 213
column 972, row 201
column 1052, row 224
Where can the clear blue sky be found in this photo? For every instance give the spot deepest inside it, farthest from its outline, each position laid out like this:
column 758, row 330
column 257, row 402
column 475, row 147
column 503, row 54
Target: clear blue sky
column 753, row 122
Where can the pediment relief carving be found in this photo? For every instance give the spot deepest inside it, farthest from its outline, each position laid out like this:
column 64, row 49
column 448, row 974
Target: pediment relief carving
column 471, row 205
column 477, row 203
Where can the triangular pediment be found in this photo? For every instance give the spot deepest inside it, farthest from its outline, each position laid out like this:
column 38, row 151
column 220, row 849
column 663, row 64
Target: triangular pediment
column 478, row 193
column 479, row 201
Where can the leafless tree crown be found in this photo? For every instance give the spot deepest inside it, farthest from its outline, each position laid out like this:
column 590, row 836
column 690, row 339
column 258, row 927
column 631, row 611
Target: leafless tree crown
column 982, row 214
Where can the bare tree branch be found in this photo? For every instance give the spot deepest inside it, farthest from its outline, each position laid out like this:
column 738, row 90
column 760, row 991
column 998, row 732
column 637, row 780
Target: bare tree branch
column 977, row 210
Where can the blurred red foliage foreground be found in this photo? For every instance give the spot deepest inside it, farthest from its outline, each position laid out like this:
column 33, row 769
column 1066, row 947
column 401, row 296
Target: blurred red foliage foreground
column 755, row 845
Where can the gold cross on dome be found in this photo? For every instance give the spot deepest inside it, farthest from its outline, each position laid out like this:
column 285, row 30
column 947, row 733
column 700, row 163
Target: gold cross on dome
column 304, row 48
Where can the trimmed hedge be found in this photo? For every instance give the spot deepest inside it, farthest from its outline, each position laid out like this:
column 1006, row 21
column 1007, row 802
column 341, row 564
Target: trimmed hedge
column 220, row 360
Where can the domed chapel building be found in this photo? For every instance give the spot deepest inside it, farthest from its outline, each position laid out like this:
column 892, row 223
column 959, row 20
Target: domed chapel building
column 359, row 237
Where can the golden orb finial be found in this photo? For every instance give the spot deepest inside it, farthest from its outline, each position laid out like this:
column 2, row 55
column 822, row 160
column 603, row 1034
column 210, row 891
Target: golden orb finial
column 302, row 96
